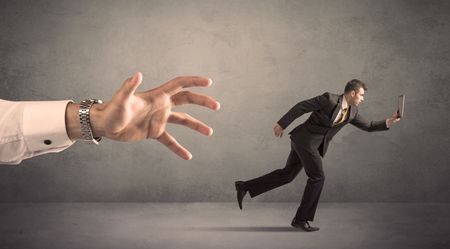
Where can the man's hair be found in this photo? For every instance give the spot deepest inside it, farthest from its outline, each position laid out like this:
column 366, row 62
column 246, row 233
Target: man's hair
column 354, row 85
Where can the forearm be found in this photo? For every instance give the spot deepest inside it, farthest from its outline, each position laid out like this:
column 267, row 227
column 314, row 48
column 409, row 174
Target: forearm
column 369, row 126
column 31, row 128
column 381, row 125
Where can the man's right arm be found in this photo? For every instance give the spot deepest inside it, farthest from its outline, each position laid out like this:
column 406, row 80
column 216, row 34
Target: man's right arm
column 28, row 129
column 301, row 108
column 31, row 128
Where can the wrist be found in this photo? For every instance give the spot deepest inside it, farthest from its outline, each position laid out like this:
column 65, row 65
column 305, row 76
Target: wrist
column 96, row 116
column 73, row 127
column 389, row 123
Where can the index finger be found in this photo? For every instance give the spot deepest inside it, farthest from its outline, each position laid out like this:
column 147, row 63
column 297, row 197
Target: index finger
column 175, row 85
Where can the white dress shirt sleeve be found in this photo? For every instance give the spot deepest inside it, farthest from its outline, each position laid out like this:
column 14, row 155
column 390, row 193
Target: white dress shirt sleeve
column 31, row 128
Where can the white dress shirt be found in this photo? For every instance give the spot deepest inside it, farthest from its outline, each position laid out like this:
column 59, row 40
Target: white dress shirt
column 339, row 115
column 32, row 128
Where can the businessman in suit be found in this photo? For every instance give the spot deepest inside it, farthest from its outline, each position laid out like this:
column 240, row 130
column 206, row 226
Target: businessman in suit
column 309, row 143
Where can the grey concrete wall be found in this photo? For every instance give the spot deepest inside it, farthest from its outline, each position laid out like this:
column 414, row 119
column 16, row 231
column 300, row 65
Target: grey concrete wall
column 264, row 56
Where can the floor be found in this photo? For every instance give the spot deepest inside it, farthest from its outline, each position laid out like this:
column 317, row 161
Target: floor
column 222, row 225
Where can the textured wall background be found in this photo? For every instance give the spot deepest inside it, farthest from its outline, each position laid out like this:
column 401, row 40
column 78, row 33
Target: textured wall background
column 264, row 57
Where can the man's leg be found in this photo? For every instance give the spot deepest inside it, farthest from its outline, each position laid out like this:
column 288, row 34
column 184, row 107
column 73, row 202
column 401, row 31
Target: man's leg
column 275, row 178
column 312, row 162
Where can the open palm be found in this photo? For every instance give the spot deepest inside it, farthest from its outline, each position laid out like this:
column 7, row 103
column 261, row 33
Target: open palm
column 131, row 116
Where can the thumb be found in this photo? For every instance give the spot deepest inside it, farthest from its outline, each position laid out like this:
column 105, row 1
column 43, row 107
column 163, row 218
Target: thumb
column 130, row 85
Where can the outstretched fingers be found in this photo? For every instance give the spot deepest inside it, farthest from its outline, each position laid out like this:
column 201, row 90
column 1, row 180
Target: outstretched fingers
column 185, row 119
column 170, row 142
column 175, row 85
column 187, row 97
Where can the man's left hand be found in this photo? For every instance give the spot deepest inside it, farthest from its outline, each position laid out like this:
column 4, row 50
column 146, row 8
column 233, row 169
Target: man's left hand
column 392, row 120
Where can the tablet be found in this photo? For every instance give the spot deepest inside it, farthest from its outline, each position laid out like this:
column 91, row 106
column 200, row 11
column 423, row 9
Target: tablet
column 401, row 106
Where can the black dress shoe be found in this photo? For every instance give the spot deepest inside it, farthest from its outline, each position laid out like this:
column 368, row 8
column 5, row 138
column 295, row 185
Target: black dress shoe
column 240, row 192
column 303, row 224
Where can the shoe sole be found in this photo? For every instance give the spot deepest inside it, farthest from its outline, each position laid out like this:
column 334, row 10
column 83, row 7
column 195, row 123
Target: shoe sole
column 305, row 229
column 236, row 184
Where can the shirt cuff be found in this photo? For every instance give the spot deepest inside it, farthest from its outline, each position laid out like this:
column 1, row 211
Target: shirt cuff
column 387, row 124
column 44, row 126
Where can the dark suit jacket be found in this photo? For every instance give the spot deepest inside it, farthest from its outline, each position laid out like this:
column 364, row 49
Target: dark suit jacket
column 318, row 130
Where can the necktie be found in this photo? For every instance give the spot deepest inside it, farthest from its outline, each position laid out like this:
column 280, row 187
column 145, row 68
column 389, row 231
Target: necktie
column 344, row 115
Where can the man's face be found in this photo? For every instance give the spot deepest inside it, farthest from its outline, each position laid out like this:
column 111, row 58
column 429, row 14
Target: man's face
column 357, row 97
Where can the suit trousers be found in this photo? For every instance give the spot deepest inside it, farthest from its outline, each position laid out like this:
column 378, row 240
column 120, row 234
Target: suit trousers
column 298, row 158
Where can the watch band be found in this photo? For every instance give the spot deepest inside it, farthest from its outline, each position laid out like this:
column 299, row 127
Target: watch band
column 85, row 120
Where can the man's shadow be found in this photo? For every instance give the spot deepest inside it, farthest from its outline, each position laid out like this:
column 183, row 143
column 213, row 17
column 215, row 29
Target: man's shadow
column 246, row 229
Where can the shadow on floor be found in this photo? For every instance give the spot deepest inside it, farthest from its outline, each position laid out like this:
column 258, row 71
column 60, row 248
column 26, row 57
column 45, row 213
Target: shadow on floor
column 245, row 229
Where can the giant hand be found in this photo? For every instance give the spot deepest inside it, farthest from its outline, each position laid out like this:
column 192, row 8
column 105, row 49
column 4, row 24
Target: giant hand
column 134, row 116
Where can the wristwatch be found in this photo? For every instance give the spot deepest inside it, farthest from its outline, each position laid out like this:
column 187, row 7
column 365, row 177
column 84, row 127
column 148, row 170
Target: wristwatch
column 85, row 120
